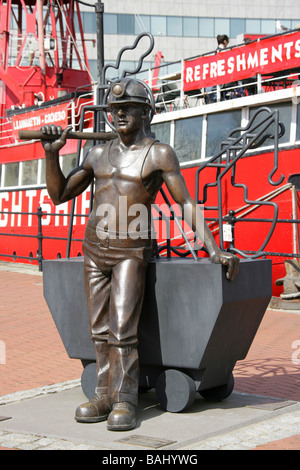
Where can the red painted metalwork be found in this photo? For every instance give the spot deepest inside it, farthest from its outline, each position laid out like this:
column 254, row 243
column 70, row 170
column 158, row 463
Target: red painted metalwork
column 50, row 76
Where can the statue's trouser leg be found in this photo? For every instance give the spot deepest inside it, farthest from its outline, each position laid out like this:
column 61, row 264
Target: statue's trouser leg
column 98, row 291
column 98, row 408
column 114, row 281
column 127, row 292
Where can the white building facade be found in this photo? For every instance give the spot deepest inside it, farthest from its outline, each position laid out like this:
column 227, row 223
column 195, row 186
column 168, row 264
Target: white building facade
column 182, row 28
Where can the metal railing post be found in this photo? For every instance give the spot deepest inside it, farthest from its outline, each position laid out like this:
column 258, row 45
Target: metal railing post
column 40, row 239
column 231, row 221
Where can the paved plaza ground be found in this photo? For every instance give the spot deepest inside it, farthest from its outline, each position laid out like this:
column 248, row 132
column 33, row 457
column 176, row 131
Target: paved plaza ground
column 32, row 354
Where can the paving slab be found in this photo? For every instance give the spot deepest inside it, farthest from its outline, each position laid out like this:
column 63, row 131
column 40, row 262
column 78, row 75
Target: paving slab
column 47, row 422
column 40, row 388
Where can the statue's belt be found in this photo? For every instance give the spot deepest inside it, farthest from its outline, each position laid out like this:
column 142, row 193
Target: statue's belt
column 117, row 239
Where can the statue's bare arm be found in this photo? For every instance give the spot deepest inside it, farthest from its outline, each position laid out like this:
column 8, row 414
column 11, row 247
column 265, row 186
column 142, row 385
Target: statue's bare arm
column 61, row 188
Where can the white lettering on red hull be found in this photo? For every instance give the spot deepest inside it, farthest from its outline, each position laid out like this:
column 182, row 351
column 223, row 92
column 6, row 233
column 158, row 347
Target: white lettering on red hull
column 18, row 209
column 265, row 56
column 3, row 215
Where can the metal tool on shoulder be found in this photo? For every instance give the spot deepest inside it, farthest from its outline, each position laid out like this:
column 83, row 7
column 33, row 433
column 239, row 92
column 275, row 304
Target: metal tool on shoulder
column 39, row 135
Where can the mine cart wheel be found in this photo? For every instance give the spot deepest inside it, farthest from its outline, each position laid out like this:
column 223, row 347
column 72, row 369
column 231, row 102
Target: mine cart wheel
column 218, row 393
column 89, row 378
column 175, row 390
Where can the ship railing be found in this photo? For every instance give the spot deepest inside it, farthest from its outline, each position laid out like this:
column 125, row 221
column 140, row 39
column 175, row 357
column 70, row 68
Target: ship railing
column 170, row 96
column 6, row 132
column 40, row 237
column 24, row 49
column 167, row 242
column 186, row 244
column 177, row 246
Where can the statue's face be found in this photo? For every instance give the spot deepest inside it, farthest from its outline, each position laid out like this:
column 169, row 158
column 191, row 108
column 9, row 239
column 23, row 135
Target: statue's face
column 127, row 118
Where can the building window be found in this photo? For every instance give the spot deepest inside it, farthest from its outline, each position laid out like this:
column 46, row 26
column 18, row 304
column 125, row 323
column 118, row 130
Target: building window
column 129, row 65
column 126, row 24
column 142, row 24
column 130, row 24
column 268, row 27
column 68, row 163
column 162, row 132
column 11, row 177
column 206, row 27
column 159, row 25
column 252, row 26
column 190, row 27
column 29, row 172
column 285, row 111
column 110, row 22
column 222, row 26
column 93, row 68
column 89, row 22
column 144, row 73
column 188, row 136
column 174, row 26
column 237, row 26
column 43, row 171
column 219, row 127
column 13, row 23
column 295, row 24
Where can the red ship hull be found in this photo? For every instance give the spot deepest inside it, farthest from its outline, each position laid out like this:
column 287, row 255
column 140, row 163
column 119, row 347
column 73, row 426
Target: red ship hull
column 32, row 95
column 19, row 216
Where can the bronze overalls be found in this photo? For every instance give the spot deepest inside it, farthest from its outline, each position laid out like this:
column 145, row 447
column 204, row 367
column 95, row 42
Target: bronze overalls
column 115, row 269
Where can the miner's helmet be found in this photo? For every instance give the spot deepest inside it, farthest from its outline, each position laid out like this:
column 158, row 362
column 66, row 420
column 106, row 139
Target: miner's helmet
column 128, row 90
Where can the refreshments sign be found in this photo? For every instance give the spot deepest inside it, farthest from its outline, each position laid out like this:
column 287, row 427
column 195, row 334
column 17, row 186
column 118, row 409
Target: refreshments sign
column 264, row 56
column 34, row 120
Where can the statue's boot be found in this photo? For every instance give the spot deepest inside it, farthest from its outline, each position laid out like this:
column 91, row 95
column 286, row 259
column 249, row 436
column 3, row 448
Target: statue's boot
column 122, row 417
column 94, row 411
column 98, row 408
column 123, row 386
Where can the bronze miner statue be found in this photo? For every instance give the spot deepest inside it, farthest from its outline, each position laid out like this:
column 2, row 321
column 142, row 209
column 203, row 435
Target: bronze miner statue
column 128, row 172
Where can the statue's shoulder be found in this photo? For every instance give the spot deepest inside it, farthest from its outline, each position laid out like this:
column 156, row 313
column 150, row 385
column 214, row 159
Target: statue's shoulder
column 164, row 149
column 163, row 156
column 96, row 153
column 100, row 149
